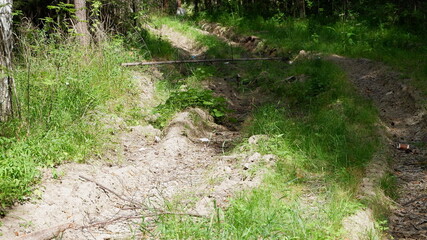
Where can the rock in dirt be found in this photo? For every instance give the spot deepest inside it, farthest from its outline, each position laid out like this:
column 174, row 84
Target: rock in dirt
column 255, row 139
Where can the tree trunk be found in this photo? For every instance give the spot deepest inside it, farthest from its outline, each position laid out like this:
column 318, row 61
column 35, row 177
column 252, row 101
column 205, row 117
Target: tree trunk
column 196, row 6
column 166, row 5
column 6, row 81
column 82, row 28
column 301, row 8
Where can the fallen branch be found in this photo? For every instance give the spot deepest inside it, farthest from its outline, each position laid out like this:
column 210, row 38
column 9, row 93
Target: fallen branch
column 50, row 233
column 414, row 200
column 113, row 220
column 47, row 234
column 203, row 61
column 108, row 189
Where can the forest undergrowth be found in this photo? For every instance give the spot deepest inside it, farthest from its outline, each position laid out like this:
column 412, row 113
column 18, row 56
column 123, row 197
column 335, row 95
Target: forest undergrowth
column 69, row 99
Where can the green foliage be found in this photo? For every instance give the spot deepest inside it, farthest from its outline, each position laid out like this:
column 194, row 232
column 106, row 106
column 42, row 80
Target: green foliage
column 179, row 100
column 64, row 92
column 272, row 211
column 388, row 184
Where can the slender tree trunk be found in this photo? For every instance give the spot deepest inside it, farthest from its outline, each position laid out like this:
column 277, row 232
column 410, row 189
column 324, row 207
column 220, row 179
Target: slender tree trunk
column 196, row 6
column 82, row 28
column 166, row 5
column 6, row 81
column 301, row 8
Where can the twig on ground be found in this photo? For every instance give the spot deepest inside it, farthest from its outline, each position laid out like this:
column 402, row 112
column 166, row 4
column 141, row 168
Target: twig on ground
column 109, row 190
column 414, row 200
column 47, row 234
column 104, row 223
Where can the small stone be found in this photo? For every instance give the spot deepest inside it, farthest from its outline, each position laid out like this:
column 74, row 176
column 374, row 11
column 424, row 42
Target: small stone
column 254, row 157
column 255, row 139
column 246, row 166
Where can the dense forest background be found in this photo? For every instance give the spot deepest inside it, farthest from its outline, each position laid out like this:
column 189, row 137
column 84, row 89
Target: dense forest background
column 120, row 13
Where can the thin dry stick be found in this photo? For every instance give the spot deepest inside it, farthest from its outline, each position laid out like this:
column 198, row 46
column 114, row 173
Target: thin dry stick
column 107, row 189
column 49, row 233
column 104, row 223
column 203, row 61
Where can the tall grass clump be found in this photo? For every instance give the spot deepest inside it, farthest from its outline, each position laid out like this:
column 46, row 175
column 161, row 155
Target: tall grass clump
column 324, row 122
column 66, row 92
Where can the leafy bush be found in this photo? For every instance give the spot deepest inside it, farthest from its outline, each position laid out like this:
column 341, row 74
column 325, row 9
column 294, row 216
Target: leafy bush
column 179, row 100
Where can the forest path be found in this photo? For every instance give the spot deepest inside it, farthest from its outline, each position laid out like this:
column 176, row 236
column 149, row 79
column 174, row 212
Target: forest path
column 183, row 165
column 404, row 121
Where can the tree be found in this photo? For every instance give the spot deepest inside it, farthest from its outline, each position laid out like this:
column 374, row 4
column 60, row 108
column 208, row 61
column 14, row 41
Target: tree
column 6, row 81
column 82, row 28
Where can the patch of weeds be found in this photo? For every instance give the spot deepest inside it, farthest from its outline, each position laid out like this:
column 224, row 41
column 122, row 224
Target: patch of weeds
column 388, row 184
column 180, row 100
column 263, row 213
column 325, row 121
column 67, row 96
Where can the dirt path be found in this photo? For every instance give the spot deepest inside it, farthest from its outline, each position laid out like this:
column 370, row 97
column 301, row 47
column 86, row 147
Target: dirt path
column 183, row 165
column 405, row 122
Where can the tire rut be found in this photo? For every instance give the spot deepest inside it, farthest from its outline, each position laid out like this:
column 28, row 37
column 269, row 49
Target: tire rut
column 405, row 122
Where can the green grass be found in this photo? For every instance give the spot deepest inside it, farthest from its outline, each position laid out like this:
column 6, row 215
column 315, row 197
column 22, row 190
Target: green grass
column 323, row 118
column 67, row 94
column 324, row 135
column 182, row 99
column 272, row 211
